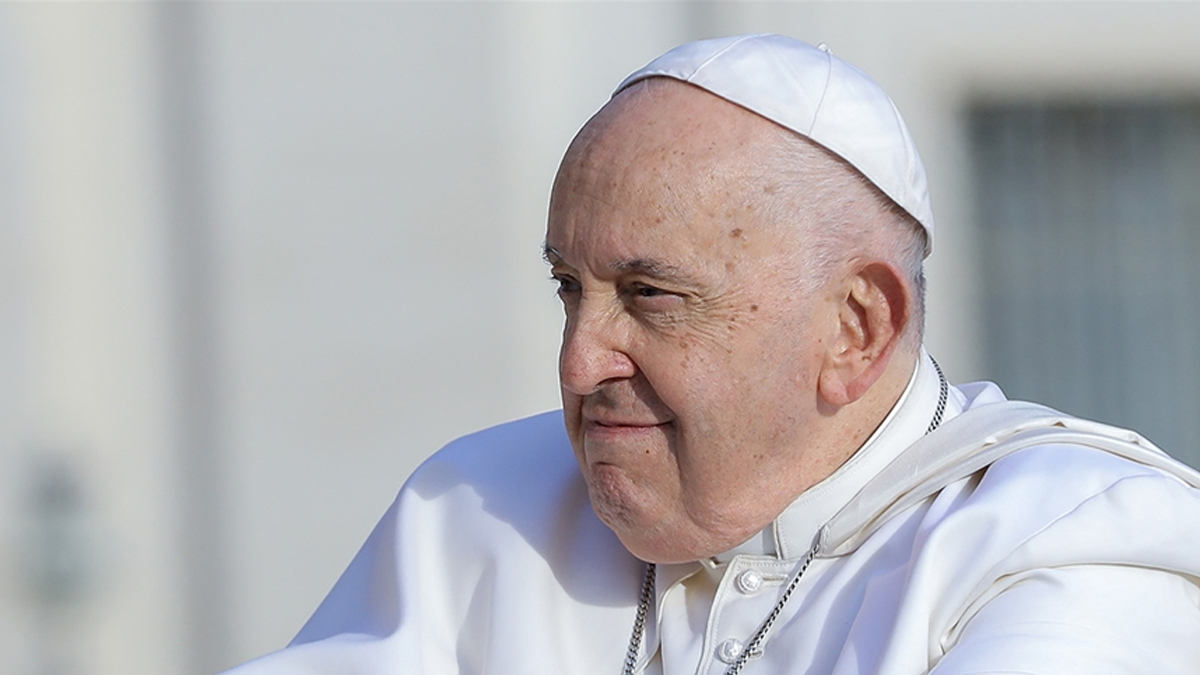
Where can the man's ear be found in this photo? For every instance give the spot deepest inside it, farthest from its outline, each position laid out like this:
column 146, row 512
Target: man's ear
column 874, row 307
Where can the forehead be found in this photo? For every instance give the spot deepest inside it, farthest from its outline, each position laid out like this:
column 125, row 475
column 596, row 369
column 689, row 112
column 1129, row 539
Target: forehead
column 663, row 165
column 661, row 125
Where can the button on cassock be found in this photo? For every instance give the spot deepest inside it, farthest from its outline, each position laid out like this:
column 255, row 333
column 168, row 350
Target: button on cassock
column 729, row 650
column 749, row 582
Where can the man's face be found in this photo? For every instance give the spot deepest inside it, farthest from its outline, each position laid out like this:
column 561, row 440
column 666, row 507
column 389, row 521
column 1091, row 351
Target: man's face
column 690, row 348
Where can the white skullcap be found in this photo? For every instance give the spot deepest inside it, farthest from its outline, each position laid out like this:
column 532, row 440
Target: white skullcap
column 814, row 93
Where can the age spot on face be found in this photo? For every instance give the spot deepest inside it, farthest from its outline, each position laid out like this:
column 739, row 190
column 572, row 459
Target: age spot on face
column 735, row 233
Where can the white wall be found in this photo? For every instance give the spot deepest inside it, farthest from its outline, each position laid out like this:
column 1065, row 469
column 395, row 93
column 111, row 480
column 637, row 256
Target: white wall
column 87, row 372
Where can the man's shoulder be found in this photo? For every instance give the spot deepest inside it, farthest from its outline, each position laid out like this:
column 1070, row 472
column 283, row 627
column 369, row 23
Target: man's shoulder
column 510, row 493
column 1046, row 483
column 539, row 439
column 1058, row 461
column 1068, row 466
column 1055, row 452
column 1010, row 457
column 1057, row 503
column 1028, row 442
column 1083, row 493
column 528, row 460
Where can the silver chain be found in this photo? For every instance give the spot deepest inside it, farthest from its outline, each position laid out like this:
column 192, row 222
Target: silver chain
column 754, row 648
column 639, row 622
column 943, row 396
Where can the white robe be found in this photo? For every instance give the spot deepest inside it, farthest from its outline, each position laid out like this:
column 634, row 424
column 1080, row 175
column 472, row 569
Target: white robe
column 1013, row 540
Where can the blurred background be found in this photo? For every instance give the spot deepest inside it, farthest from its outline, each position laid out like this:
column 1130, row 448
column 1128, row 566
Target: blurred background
column 258, row 260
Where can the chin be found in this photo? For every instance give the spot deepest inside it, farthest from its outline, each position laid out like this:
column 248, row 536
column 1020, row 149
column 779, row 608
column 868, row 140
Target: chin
column 644, row 536
column 656, row 541
column 625, row 518
column 646, row 547
column 640, row 522
column 614, row 510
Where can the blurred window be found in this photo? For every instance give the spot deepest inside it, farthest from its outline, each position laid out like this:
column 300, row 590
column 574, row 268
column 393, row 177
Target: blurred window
column 1090, row 253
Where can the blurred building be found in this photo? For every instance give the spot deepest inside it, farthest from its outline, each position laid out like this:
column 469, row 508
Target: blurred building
column 257, row 261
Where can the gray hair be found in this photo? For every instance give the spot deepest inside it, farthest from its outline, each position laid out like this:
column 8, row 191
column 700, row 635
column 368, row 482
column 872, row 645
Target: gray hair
column 843, row 216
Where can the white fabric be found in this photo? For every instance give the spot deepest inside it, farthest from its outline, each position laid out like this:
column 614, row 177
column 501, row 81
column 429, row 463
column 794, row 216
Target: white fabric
column 1057, row 558
column 812, row 92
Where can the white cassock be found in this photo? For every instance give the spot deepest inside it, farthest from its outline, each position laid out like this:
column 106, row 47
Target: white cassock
column 1012, row 540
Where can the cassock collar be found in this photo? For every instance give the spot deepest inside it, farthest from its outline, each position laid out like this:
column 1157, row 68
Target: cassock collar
column 791, row 534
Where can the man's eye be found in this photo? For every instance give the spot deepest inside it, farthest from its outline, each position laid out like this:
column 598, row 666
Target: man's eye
column 643, row 291
column 652, row 298
column 565, row 284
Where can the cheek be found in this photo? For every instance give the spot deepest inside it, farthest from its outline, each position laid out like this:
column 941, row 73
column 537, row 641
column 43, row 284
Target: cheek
column 792, row 338
column 762, row 385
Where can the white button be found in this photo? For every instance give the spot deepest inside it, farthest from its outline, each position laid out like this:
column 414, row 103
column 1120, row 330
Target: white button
column 729, row 650
column 749, row 582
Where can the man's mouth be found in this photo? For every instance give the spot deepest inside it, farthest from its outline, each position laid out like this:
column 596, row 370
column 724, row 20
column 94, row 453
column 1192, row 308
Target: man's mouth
column 624, row 423
column 616, row 429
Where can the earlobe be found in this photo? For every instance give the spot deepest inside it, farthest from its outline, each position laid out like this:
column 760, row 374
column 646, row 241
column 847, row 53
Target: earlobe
column 874, row 308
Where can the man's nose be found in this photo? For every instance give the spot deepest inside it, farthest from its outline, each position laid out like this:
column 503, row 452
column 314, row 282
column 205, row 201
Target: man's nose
column 594, row 350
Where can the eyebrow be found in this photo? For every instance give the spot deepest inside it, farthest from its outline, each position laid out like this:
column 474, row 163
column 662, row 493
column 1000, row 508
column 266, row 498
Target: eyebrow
column 650, row 267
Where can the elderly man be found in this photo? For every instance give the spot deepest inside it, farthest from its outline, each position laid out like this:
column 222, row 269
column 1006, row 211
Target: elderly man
column 769, row 473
